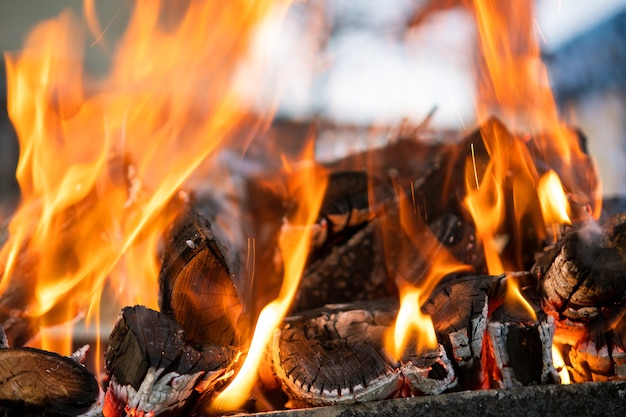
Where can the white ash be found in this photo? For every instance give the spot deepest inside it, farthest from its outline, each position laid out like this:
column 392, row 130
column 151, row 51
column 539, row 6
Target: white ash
column 156, row 393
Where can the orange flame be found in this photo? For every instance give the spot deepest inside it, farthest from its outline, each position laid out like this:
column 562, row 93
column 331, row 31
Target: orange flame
column 514, row 84
column 416, row 286
column 101, row 159
column 307, row 185
column 554, row 204
column 559, row 365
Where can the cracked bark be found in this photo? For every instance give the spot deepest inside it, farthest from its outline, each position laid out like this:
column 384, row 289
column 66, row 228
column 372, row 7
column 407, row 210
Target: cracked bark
column 152, row 369
column 35, row 382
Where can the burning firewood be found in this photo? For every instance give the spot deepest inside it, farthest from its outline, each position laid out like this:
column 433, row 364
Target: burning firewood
column 458, row 308
column 36, row 382
column 518, row 347
column 346, row 262
column 335, row 355
column 598, row 358
column 522, row 351
column 153, row 370
column 201, row 281
column 582, row 275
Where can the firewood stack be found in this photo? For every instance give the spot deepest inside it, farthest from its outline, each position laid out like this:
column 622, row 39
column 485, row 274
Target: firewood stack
column 221, row 265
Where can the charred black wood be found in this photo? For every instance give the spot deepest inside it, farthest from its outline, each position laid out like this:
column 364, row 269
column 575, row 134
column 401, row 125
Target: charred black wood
column 40, row 383
column 458, row 307
column 581, row 276
column 351, row 271
column 335, row 355
column 519, row 348
column 152, row 369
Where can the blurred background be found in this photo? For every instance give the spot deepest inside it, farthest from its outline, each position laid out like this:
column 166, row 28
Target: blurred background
column 358, row 64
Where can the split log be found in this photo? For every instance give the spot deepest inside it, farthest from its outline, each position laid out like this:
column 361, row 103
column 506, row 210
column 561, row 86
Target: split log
column 520, row 349
column 40, row 383
column 153, row 370
column 335, row 355
column 582, row 275
column 201, row 283
column 458, row 307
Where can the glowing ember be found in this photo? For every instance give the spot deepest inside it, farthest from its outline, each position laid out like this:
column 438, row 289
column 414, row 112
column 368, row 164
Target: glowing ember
column 100, row 160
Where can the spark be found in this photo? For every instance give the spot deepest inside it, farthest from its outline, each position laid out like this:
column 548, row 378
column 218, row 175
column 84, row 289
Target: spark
column 251, row 259
column 413, row 197
column 474, row 165
column 461, row 119
column 105, row 29
column 543, row 38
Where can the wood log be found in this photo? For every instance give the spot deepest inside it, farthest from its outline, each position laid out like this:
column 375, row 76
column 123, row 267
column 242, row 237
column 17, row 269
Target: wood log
column 458, row 307
column 581, row 276
column 201, row 283
column 519, row 349
column 40, row 383
column 152, row 369
column 335, row 355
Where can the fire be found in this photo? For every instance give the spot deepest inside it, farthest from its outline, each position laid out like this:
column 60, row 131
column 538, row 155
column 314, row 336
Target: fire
column 514, row 85
column 554, row 204
column 101, row 159
column 559, row 365
column 308, row 186
column 411, row 320
column 415, row 286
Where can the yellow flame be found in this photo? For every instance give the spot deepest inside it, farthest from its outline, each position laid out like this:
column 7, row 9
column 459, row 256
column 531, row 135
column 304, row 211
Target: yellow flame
column 309, row 187
column 559, row 365
column 411, row 322
column 554, row 204
column 415, row 286
column 513, row 297
column 102, row 158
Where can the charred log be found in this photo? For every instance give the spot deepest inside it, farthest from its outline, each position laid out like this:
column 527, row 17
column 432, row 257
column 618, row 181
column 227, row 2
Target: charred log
column 458, row 308
column 582, row 275
column 335, row 355
column 520, row 349
column 35, row 382
column 153, row 370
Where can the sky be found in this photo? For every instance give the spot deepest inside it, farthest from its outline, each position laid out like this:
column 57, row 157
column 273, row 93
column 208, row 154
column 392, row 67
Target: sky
column 369, row 75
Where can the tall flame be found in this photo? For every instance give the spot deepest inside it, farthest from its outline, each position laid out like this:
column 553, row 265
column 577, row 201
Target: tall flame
column 514, row 84
column 101, row 158
column 307, row 185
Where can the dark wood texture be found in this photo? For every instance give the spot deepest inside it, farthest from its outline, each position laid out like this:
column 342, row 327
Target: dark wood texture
column 519, row 349
column 152, row 369
column 36, row 382
column 582, row 275
column 335, row 354
column 458, row 308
